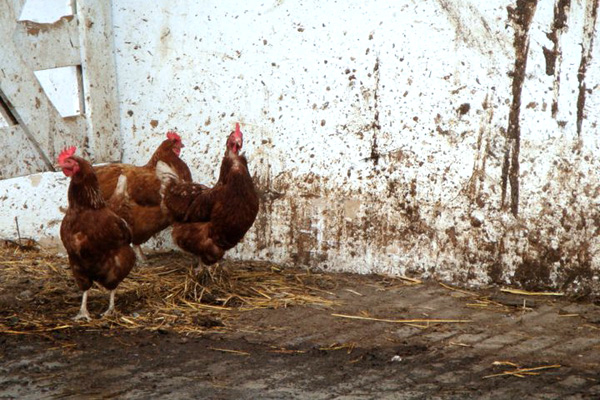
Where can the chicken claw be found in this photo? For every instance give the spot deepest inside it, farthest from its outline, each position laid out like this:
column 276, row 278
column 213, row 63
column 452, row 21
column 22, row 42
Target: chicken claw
column 110, row 311
column 82, row 315
column 83, row 312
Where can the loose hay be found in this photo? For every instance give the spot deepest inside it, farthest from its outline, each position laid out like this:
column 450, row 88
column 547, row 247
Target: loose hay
column 164, row 295
column 405, row 321
column 526, row 293
column 236, row 352
column 518, row 371
column 480, row 301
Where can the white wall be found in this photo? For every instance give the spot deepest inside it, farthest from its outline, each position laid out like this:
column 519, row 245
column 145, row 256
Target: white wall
column 359, row 135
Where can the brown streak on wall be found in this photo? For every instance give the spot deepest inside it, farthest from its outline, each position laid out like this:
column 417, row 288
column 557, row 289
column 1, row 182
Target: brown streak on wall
column 559, row 25
column 586, row 58
column 375, row 124
column 521, row 16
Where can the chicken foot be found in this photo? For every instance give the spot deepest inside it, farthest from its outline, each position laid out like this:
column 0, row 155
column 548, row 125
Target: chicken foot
column 83, row 311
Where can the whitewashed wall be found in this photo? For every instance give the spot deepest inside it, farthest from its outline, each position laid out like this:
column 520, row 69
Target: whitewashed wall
column 377, row 132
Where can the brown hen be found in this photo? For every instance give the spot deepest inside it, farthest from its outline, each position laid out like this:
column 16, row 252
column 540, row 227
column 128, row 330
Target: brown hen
column 210, row 221
column 144, row 213
column 96, row 239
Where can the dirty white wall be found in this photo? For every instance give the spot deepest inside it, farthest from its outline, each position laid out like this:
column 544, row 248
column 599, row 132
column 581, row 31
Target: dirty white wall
column 455, row 139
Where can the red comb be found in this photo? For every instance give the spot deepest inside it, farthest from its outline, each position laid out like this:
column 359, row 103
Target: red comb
column 172, row 135
column 238, row 132
column 66, row 153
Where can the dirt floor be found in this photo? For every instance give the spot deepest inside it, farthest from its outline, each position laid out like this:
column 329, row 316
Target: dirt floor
column 265, row 332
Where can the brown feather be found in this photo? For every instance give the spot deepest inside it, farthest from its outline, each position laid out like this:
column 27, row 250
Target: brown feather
column 142, row 206
column 144, row 221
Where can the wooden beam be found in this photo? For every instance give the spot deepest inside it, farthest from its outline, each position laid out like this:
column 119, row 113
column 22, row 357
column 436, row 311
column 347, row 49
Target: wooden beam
column 99, row 79
column 45, row 46
column 40, row 123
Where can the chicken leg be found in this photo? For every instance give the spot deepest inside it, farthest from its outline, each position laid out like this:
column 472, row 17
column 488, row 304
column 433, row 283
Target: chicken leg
column 83, row 312
column 137, row 249
column 111, row 305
